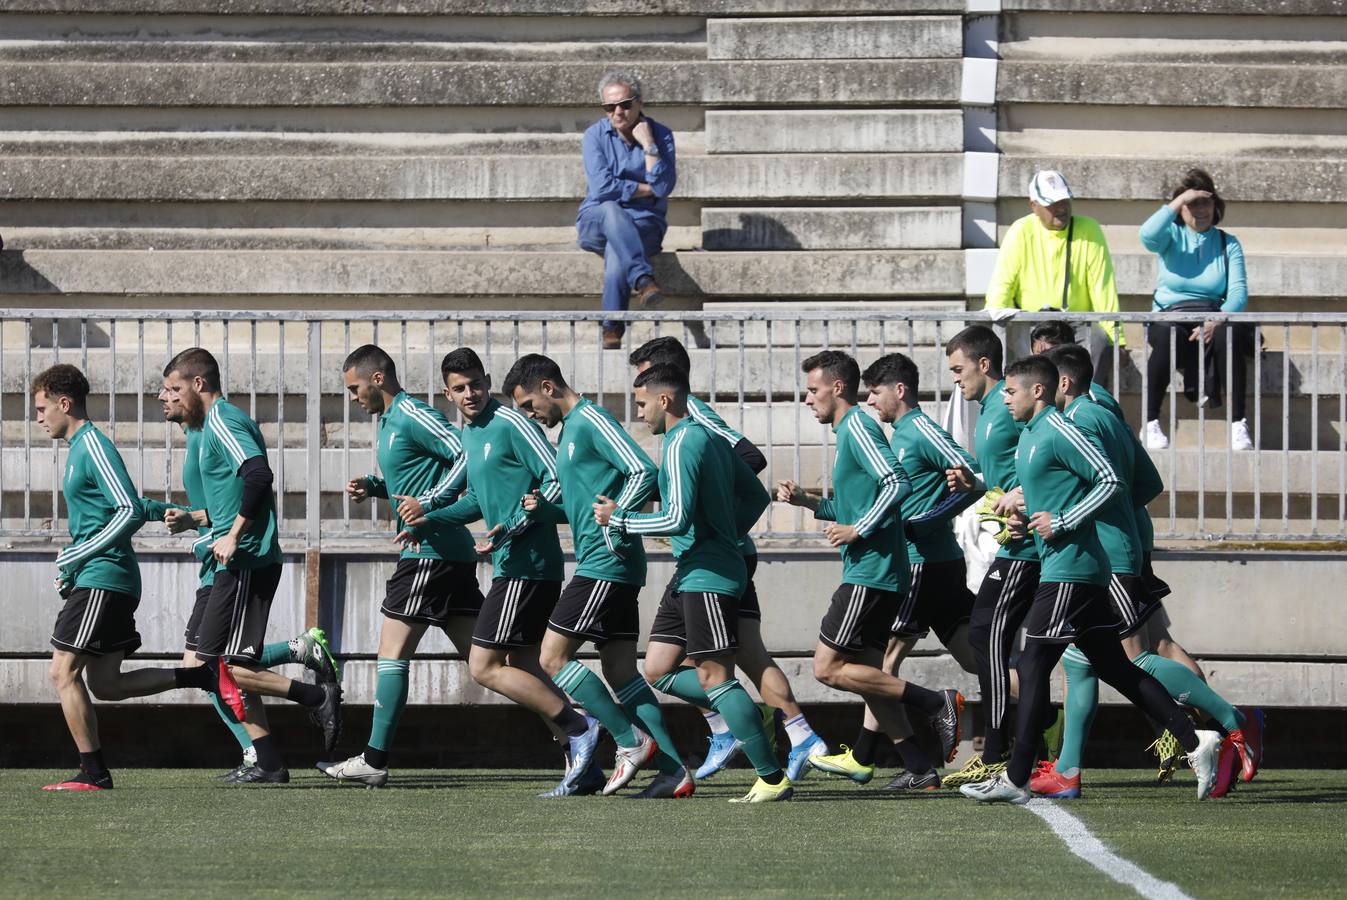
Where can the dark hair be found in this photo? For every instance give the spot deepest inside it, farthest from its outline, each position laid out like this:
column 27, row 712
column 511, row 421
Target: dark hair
column 531, row 370
column 978, row 342
column 670, row 378
column 1073, row 361
column 460, row 362
column 893, row 369
column 662, row 351
column 196, row 363
column 368, row 359
column 62, row 380
column 836, row 366
column 1056, row 333
column 1198, row 180
column 1037, row 369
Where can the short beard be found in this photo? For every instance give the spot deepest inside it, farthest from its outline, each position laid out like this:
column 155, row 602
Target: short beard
column 193, row 410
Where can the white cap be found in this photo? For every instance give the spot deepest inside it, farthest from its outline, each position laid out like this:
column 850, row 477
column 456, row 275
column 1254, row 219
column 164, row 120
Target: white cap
column 1048, row 187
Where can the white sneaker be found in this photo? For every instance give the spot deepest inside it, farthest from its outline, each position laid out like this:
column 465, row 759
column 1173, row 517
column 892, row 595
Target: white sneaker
column 355, row 769
column 1239, row 435
column 997, row 789
column 675, row 786
column 1152, row 438
column 1203, row 760
column 629, row 761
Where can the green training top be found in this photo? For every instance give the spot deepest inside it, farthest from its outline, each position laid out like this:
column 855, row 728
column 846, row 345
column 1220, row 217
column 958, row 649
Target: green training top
column 417, row 452
column 1063, row 473
column 702, row 413
column 706, row 503
column 1116, row 523
column 231, row 438
column 1146, row 481
column 994, row 443
column 596, row 456
column 104, row 510
column 196, row 499
column 507, row 456
column 925, row 451
column 868, row 490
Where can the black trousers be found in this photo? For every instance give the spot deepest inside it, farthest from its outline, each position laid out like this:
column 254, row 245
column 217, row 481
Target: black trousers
column 1186, row 360
column 1113, row 667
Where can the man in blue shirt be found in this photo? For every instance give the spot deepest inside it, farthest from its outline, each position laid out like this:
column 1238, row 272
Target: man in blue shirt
column 629, row 173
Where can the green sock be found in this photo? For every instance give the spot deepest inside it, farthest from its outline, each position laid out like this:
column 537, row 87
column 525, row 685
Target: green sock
column 587, row 690
column 1188, row 689
column 1082, row 700
column 235, row 726
column 745, row 721
column 641, row 705
column 390, row 699
column 685, row 685
column 276, row 654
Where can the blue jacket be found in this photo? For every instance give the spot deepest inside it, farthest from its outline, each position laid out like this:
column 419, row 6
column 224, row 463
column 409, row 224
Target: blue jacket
column 613, row 170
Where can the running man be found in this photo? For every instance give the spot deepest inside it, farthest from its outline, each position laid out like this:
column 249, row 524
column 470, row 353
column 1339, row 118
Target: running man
column 310, row 648
column 505, row 457
column 597, row 458
column 938, row 596
column 867, row 527
column 241, row 508
column 1066, row 481
column 753, row 658
column 435, row 582
column 708, row 500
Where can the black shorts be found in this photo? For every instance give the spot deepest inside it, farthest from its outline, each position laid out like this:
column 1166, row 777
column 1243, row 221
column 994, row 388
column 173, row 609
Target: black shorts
column 191, row 635
column 514, row 613
column 1156, row 586
column 234, row 625
column 431, row 591
column 598, row 611
column 97, row 622
column 702, row 623
column 1063, row 611
column 858, row 618
column 1133, row 602
column 939, row 598
column 748, row 601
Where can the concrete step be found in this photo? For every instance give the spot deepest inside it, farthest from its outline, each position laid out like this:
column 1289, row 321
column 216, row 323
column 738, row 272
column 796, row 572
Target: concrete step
column 542, row 238
column 1319, row 176
column 223, row 49
column 466, row 84
column 834, row 131
column 826, row 37
column 1242, row 85
column 233, row 142
column 472, row 273
column 469, row 8
column 726, row 178
column 831, row 228
column 1171, row 7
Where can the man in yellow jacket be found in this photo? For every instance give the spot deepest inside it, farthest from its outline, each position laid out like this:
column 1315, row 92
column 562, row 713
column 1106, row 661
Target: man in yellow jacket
column 1054, row 260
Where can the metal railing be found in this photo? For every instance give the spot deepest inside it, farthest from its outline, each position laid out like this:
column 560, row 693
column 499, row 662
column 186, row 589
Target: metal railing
column 284, row 368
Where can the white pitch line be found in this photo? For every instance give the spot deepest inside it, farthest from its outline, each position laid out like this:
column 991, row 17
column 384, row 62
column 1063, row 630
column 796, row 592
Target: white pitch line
column 1082, row 843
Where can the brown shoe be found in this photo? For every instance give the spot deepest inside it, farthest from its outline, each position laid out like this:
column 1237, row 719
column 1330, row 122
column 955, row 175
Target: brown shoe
column 612, row 339
column 650, row 296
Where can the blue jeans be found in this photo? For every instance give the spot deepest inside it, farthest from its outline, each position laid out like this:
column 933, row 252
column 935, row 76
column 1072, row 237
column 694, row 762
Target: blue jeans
column 626, row 245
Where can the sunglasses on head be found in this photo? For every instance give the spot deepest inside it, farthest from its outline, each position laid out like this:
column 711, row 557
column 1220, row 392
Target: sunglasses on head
column 612, row 107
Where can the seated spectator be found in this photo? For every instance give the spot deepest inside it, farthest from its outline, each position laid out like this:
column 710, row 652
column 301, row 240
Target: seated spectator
column 1202, row 271
column 1054, row 260
column 629, row 172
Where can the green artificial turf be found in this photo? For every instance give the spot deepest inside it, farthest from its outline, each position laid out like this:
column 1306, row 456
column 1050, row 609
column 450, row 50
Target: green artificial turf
column 482, row 832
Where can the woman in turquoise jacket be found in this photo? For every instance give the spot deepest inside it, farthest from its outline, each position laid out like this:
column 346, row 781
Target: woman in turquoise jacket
column 1201, row 270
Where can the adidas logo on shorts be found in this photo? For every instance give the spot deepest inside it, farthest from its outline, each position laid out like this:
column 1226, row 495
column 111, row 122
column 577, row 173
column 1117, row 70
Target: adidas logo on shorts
column 248, row 649
column 995, row 576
